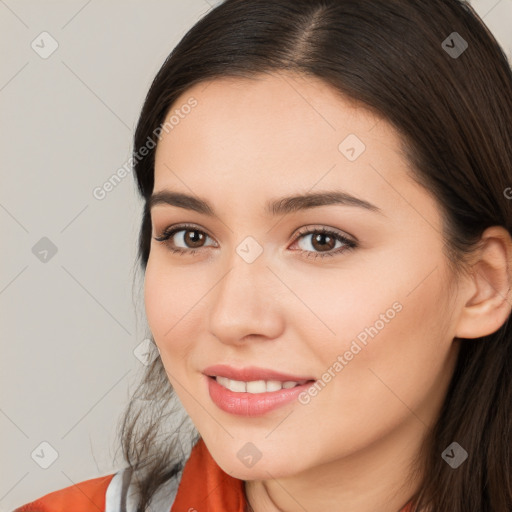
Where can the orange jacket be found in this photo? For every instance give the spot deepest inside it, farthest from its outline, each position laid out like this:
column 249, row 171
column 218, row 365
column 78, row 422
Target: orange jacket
column 204, row 487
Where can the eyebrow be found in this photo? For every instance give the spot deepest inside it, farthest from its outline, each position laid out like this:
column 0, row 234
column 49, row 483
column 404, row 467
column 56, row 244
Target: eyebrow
column 278, row 206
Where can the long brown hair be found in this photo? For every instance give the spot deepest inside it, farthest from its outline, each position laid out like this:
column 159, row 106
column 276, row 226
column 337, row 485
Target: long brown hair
column 449, row 96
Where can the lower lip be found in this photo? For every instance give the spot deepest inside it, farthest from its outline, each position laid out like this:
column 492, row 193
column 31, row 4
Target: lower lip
column 251, row 404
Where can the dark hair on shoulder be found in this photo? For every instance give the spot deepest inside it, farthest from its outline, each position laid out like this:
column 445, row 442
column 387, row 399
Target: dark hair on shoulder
column 454, row 116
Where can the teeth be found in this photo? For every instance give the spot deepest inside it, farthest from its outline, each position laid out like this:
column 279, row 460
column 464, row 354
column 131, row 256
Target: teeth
column 255, row 386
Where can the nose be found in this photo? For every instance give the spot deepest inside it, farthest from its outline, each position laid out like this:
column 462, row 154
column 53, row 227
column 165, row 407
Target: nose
column 245, row 303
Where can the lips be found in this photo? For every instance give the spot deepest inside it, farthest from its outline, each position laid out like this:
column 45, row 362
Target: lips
column 253, row 373
column 251, row 404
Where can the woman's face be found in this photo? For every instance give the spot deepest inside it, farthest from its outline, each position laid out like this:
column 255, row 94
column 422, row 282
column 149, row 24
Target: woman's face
column 372, row 321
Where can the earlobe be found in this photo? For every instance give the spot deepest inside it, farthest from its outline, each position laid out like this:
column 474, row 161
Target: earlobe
column 489, row 305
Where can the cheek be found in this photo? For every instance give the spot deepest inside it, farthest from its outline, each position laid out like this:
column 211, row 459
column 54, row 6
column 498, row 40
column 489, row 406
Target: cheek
column 390, row 339
column 393, row 358
column 169, row 298
column 392, row 304
column 156, row 300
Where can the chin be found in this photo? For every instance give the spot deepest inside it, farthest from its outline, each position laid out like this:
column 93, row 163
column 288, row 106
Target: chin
column 265, row 468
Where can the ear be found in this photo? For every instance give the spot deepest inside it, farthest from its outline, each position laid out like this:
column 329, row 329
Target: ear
column 489, row 297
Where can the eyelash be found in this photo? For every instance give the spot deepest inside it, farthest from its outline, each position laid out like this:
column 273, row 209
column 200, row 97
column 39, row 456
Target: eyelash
column 349, row 244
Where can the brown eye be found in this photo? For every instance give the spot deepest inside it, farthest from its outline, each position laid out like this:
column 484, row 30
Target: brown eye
column 323, row 243
column 191, row 239
column 194, row 240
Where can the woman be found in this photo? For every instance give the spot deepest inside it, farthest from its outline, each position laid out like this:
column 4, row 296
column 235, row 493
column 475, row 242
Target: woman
column 362, row 146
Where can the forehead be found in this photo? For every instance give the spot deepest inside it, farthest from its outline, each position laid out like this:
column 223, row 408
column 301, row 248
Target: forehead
column 278, row 134
column 283, row 115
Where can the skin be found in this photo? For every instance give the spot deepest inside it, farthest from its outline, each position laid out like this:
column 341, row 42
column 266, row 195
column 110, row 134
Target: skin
column 349, row 448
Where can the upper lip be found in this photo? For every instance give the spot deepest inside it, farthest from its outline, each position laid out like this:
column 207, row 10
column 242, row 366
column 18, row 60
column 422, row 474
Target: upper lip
column 251, row 373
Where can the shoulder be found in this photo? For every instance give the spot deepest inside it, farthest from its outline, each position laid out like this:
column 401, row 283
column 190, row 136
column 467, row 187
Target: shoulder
column 86, row 496
column 111, row 493
column 121, row 493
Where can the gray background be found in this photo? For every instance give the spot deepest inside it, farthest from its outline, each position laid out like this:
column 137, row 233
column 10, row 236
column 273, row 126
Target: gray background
column 72, row 327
